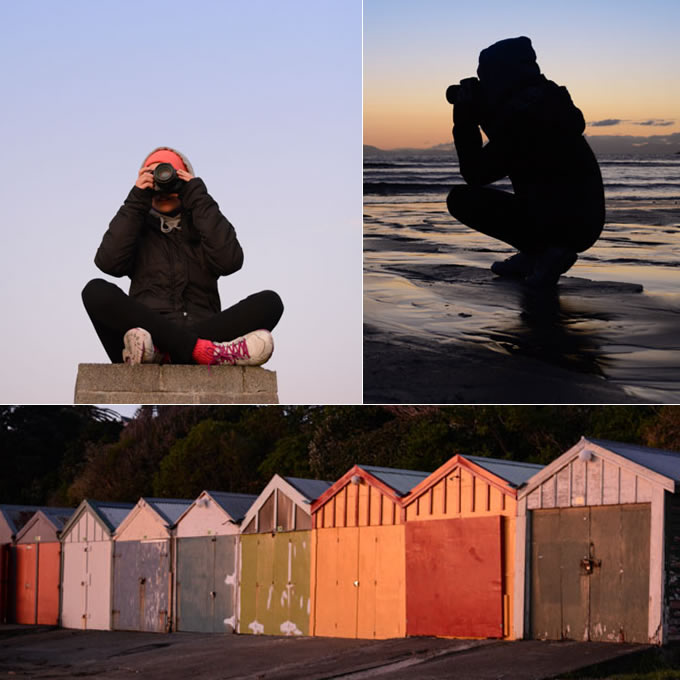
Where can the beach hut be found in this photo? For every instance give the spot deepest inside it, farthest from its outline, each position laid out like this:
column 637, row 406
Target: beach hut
column 598, row 547
column 275, row 558
column 12, row 520
column 206, row 539
column 460, row 544
column 357, row 562
column 142, row 565
column 87, row 558
column 37, row 563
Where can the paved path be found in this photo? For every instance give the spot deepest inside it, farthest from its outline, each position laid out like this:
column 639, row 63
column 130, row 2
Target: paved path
column 56, row 653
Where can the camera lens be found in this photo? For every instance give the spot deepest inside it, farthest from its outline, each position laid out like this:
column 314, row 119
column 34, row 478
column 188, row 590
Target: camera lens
column 452, row 93
column 165, row 178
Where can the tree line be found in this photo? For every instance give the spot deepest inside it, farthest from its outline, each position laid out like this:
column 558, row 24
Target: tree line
column 58, row 455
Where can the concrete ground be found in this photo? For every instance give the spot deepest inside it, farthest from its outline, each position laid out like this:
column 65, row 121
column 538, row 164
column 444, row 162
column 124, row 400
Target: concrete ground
column 56, row 653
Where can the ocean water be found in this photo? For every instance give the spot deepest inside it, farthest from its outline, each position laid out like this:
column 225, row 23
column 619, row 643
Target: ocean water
column 405, row 212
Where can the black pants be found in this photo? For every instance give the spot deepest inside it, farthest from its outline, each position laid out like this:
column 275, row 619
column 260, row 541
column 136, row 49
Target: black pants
column 533, row 223
column 113, row 313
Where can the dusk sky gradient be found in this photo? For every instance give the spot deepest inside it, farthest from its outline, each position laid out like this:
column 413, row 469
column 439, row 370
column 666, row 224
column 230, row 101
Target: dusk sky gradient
column 264, row 98
column 620, row 60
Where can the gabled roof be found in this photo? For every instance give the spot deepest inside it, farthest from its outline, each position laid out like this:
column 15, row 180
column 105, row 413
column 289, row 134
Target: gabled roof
column 169, row 509
column 513, row 472
column 402, row 481
column 16, row 516
column 311, row 489
column 659, row 467
column 236, row 505
column 666, row 463
column 109, row 514
column 55, row 517
column 505, row 475
column 301, row 491
column 112, row 514
column 393, row 482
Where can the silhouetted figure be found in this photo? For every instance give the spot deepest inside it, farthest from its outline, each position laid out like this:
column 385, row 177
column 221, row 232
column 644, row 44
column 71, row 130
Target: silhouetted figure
column 536, row 139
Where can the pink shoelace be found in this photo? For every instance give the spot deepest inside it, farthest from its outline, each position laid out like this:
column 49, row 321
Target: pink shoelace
column 229, row 352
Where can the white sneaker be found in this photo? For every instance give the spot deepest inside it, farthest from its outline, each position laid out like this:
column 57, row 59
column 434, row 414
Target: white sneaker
column 252, row 349
column 139, row 348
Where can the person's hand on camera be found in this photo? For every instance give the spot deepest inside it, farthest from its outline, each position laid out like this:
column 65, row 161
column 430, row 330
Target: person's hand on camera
column 145, row 179
column 466, row 109
column 184, row 175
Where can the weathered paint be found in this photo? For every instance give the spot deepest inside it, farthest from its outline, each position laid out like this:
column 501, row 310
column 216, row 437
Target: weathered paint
column 274, row 587
column 591, row 475
column 37, row 583
column 590, row 573
column 359, row 582
column 463, row 489
column 141, row 585
column 454, row 577
column 206, row 584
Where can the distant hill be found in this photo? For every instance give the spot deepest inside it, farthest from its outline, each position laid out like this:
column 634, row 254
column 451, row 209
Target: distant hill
column 656, row 145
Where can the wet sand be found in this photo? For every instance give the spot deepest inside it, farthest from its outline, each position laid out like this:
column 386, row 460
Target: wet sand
column 441, row 328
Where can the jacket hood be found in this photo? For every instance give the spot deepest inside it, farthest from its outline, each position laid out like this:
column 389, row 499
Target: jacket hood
column 179, row 153
column 507, row 66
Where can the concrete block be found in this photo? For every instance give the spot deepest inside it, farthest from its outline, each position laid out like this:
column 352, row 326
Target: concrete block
column 170, row 384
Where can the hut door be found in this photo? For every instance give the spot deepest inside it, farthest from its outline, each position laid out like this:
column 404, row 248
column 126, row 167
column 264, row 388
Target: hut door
column 360, row 582
column 454, row 577
column 141, row 585
column 590, row 573
column 26, row 577
column 47, row 606
column 73, row 585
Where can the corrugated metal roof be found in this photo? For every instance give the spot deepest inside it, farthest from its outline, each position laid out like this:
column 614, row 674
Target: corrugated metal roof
column 311, row 489
column 666, row 463
column 169, row 508
column 236, row 504
column 58, row 516
column 402, row 481
column 512, row 471
column 16, row 516
column 112, row 514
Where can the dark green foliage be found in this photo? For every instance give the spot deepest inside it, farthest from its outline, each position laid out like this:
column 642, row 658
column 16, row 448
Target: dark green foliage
column 63, row 454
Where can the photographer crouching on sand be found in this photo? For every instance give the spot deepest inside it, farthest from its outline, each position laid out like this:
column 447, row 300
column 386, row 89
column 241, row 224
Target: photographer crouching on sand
column 171, row 239
column 536, row 139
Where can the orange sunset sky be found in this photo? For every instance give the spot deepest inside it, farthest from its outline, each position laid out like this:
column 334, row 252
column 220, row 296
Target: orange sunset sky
column 619, row 60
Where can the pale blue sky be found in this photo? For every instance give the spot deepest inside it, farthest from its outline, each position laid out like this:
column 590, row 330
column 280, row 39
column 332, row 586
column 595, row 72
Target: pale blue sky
column 618, row 58
column 264, row 97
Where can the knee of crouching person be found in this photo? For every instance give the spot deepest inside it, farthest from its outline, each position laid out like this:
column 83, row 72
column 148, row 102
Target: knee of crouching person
column 93, row 291
column 455, row 199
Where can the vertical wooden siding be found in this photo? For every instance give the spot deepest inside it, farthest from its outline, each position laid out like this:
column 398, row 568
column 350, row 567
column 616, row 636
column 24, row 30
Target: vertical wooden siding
column 275, row 583
column 359, row 582
column 38, row 571
column 462, row 493
column 358, row 505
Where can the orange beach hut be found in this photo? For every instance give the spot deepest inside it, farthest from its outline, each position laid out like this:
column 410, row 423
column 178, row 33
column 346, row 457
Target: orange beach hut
column 460, row 547
column 357, row 561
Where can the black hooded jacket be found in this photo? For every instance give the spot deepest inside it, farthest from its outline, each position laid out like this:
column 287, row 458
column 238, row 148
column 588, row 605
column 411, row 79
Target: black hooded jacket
column 174, row 273
column 535, row 132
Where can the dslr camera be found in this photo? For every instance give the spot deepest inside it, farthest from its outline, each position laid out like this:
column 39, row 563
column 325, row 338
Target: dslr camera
column 165, row 179
column 453, row 91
